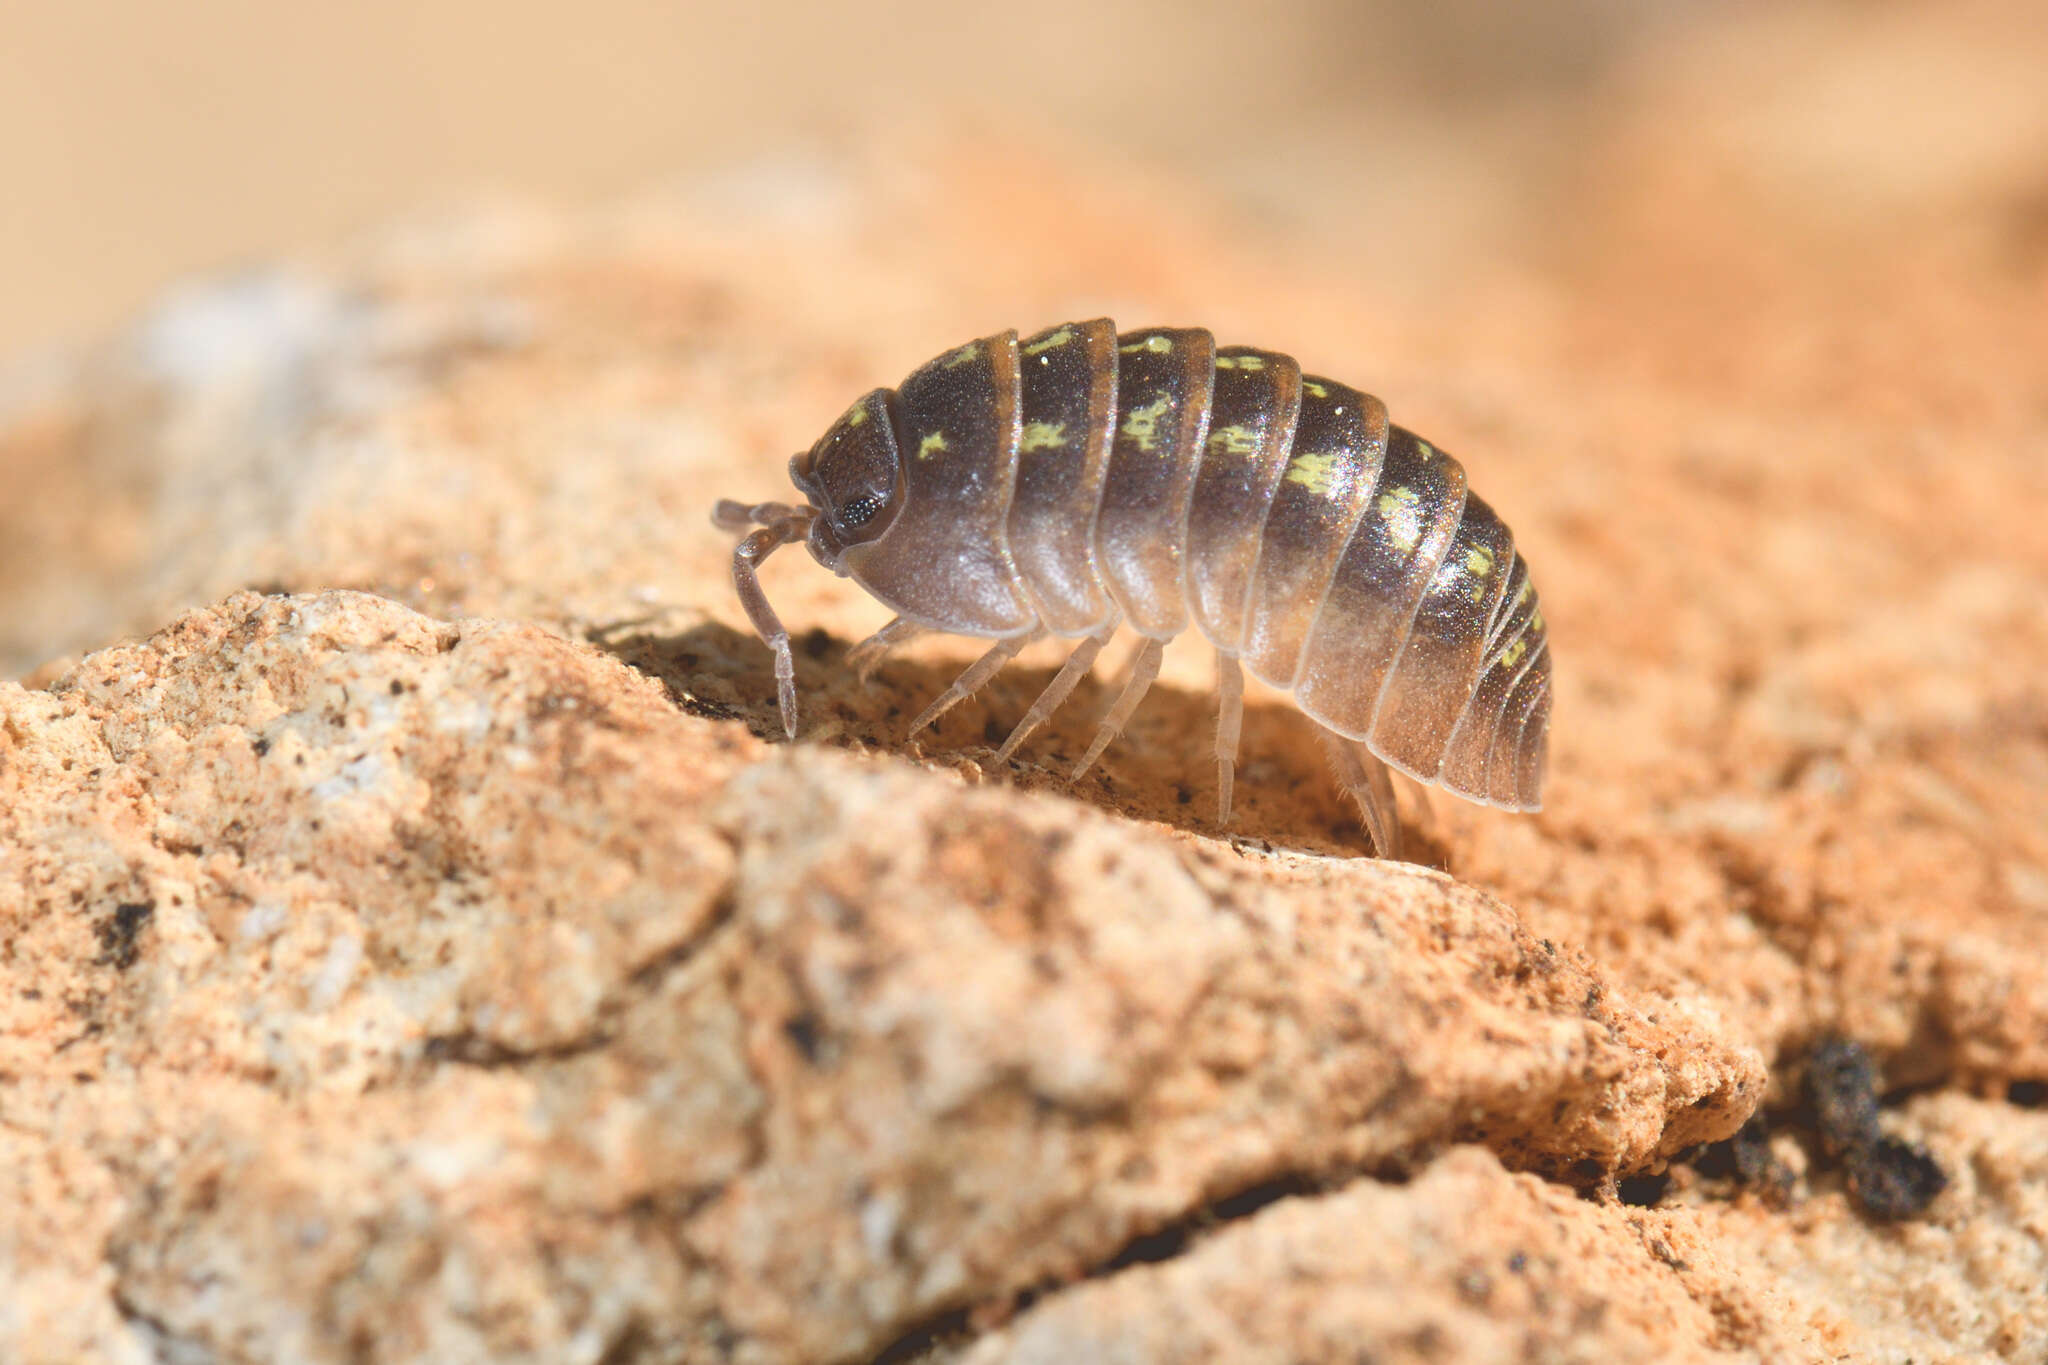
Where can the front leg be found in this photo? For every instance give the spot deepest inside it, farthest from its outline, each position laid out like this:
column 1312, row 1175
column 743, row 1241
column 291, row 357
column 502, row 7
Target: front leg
column 730, row 515
column 746, row 559
column 865, row 657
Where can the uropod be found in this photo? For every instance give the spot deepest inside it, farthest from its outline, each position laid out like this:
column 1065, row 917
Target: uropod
column 1081, row 480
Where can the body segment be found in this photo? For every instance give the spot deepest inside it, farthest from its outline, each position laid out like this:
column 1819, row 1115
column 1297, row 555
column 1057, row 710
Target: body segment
column 1069, row 385
column 1163, row 380
column 946, row 559
column 1253, row 409
column 1083, row 480
column 1340, row 442
column 1370, row 605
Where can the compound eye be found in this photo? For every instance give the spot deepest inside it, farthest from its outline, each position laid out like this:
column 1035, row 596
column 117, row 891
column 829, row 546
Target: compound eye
column 860, row 511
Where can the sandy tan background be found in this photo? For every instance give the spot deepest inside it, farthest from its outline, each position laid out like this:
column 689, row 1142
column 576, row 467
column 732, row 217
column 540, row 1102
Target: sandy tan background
column 141, row 141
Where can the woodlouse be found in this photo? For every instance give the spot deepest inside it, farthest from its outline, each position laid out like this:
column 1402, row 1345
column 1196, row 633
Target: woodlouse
column 1081, row 480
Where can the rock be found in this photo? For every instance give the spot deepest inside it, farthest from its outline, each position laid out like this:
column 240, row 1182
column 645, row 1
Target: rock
column 375, row 949
column 1408, row 1273
column 280, row 944
column 1467, row 1263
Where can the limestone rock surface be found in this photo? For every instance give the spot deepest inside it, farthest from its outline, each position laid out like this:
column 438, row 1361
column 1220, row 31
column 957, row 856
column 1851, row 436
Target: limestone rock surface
column 372, row 950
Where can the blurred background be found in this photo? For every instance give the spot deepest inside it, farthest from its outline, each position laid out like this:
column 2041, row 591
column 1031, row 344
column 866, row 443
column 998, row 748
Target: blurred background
column 143, row 141
column 1769, row 279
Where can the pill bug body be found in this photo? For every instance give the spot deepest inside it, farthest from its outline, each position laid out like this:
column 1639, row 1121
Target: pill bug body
column 1079, row 481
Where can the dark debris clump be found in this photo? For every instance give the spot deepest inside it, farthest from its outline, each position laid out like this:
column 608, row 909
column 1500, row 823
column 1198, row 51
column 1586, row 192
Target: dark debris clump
column 1889, row 1179
column 1841, row 1085
column 1747, row 1159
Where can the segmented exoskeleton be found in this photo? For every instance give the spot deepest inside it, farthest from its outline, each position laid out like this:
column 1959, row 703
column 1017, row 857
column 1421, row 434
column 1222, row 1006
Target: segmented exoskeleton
column 1079, row 481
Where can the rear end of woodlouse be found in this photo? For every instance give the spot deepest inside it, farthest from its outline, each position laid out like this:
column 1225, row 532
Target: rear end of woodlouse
column 1080, row 481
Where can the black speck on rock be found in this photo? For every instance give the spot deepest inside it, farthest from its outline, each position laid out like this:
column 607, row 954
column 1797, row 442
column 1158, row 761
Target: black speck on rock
column 803, row 1031
column 117, row 935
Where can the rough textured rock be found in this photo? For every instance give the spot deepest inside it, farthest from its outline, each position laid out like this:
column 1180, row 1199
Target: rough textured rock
column 436, row 954
column 1407, row 1273
column 457, row 951
column 1395, row 1273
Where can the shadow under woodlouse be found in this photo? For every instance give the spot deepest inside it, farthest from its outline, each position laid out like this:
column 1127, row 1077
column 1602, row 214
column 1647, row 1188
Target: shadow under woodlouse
column 1162, row 768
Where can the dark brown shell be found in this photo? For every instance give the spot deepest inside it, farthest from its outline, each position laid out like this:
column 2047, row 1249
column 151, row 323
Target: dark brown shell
column 1079, row 479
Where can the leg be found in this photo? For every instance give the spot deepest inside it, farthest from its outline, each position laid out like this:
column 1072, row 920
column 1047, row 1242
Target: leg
column 1381, row 779
column 1076, row 667
column 1144, row 668
column 745, row 559
column 978, row 672
column 738, row 516
column 865, row 657
column 1365, row 778
column 1420, row 806
column 1229, row 724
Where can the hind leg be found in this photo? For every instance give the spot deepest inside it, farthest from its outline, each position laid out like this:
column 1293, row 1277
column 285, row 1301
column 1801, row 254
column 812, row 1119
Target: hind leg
column 978, row 672
column 1366, row 779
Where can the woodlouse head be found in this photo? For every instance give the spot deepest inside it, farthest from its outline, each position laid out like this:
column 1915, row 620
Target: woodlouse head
column 853, row 477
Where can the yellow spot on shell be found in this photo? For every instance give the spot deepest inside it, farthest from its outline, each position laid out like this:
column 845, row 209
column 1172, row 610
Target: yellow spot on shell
column 1241, row 362
column 857, row 415
column 1424, row 449
column 1043, row 436
column 1142, row 424
column 1536, row 620
column 1233, row 440
column 1523, row 595
column 932, row 445
column 1514, row 653
column 1478, row 563
column 963, row 355
column 1059, row 338
column 1314, row 470
column 1314, row 389
column 1401, row 508
column 1157, row 345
